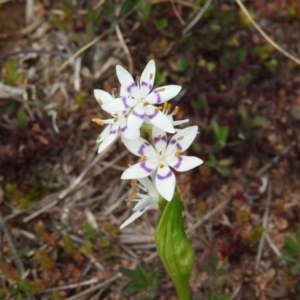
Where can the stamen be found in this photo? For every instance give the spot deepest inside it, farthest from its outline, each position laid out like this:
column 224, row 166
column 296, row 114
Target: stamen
column 160, row 89
column 137, row 79
column 177, row 152
column 169, row 106
column 116, row 119
column 98, row 121
column 151, row 76
column 99, row 101
column 142, row 158
column 133, row 182
column 166, row 106
column 128, row 200
column 146, row 103
column 113, row 91
column 176, row 110
column 180, row 138
column 161, row 165
column 158, row 108
column 133, row 194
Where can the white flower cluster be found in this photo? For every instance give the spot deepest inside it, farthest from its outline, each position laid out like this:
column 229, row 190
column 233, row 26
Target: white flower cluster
column 135, row 106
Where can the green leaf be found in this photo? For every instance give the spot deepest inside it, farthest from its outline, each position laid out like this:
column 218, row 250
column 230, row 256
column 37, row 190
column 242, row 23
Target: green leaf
column 141, row 272
column 161, row 24
column 173, row 247
column 288, row 258
column 294, row 269
column 291, row 244
column 129, row 273
column 211, row 295
column 135, row 286
column 144, row 10
column 298, row 237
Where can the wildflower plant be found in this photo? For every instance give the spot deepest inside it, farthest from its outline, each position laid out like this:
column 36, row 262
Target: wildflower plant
column 140, row 108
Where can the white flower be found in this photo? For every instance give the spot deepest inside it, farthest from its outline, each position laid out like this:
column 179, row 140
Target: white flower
column 161, row 158
column 116, row 125
column 166, row 111
column 141, row 100
column 145, row 202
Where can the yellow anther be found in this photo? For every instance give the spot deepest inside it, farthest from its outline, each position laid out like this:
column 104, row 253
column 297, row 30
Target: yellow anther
column 137, row 79
column 161, row 165
column 169, row 106
column 158, row 108
column 128, row 200
column 142, row 158
column 177, row 152
column 166, row 106
column 116, row 119
column 113, row 90
column 146, row 103
column 133, row 194
column 151, row 76
column 176, row 110
column 133, row 182
column 160, row 89
column 180, row 138
column 98, row 121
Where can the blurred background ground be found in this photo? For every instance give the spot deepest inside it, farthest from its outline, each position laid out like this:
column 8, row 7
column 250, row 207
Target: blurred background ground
column 61, row 204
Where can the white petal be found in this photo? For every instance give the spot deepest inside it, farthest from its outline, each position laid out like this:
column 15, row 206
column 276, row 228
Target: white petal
column 136, row 146
column 183, row 163
column 182, row 139
column 179, row 122
column 104, row 134
column 126, row 132
column 147, row 79
column 140, row 170
column 165, row 182
column 136, row 118
column 158, row 119
column 113, row 134
column 127, row 82
column 149, row 186
column 163, row 94
column 159, row 137
column 102, row 96
column 133, row 217
column 119, row 104
column 146, row 203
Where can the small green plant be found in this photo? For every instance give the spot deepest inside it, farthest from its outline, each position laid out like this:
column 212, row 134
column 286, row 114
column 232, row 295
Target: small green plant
column 291, row 250
column 221, row 166
column 141, row 282
column 211, row 267
column 221, row 135
column 12, row 75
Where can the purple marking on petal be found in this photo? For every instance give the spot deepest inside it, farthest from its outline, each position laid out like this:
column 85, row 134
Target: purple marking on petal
column 178, row 163
column 150, row 86
column 141, row 150
column 147, row 144
column 143, row 165
column 141, row 116
column 173, row 142
column 131, row 87
column 123, row 128
column 124, row 100
column 141, row 210
column 113, row 131
column 166, row 176
column 160, row 138
column 177, row 144
column 143, row 83
column 153, row 115
column 158, row 98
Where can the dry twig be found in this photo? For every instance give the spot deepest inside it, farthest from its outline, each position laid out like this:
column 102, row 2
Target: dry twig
column 268, row 39
column 13, row 249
